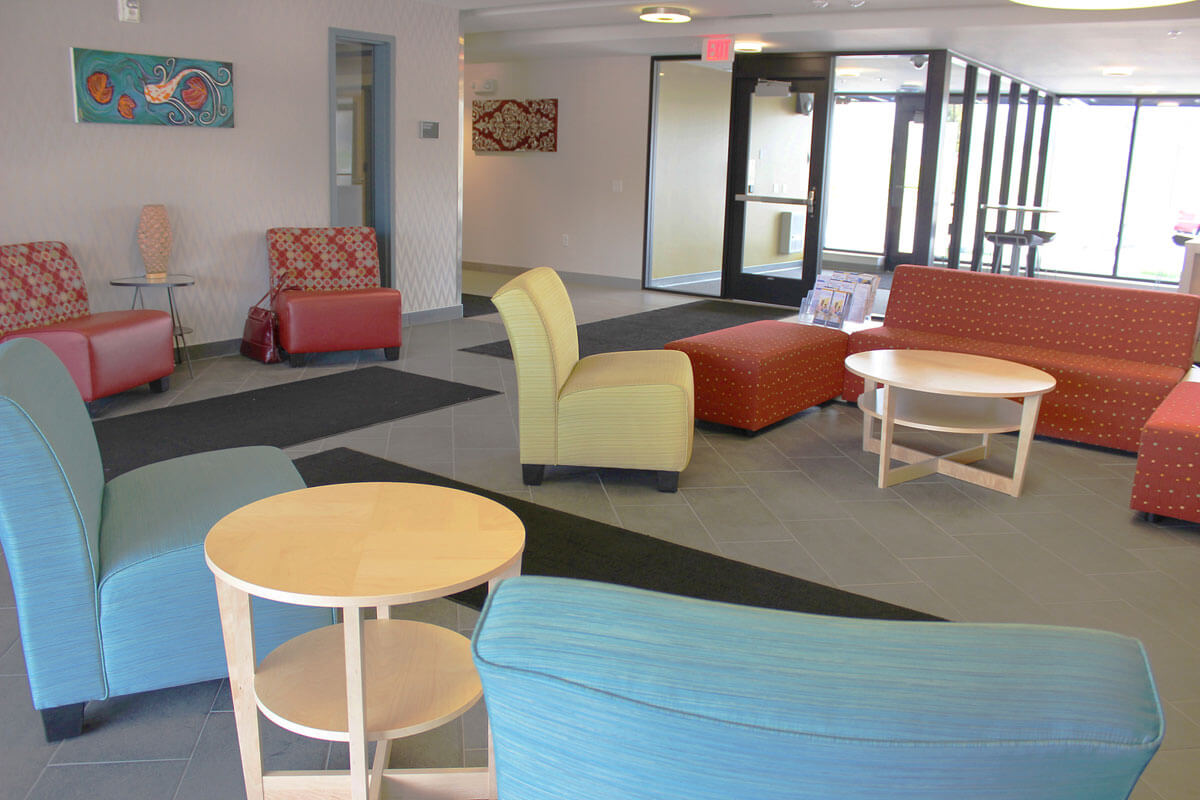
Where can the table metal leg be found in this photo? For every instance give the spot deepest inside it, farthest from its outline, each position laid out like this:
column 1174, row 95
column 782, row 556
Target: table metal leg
column 179, row 333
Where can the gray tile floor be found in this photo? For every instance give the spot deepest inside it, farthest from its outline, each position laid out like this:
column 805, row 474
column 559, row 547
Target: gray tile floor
column 799, row 497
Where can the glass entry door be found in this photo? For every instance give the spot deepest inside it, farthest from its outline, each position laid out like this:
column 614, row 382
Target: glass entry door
column 776, row 176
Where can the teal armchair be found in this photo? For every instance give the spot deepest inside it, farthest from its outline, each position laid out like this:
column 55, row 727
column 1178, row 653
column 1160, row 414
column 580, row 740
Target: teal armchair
column 112, row 593
column 612, row 693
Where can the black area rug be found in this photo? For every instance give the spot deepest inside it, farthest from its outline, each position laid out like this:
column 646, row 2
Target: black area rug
column 567, row 546
column 650, row 330
column 476, row 304
column 282, row 415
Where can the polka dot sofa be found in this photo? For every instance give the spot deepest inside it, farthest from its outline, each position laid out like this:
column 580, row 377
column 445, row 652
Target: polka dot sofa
column 1115, row 352
column 329, row 296
column 43, row 296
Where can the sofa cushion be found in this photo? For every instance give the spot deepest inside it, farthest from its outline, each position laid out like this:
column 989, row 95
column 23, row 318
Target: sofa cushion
column 40, row 283
column 1115, row 322
column 603, row 691
column 631, row 409
column 314, row 259
column 323, row 321
column 111, row 351
column 157, row 598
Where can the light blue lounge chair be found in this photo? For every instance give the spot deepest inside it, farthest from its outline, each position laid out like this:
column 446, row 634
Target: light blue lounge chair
column 113, row 595
column 613, row 693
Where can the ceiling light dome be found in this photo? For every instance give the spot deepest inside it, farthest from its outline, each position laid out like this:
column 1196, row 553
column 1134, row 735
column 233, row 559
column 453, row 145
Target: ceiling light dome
column 665, row 14
column 1099, row 5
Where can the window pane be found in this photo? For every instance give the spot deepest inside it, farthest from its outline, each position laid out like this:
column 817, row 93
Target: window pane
column 860, row 156
column 1085, row 183
column 1164, row 191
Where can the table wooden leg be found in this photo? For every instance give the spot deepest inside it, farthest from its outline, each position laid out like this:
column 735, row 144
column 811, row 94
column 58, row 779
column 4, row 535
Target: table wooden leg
column 868, row 420
column 887, row 424
column 383, row 754
column 237, row 626
column 355, row 713
column 493, row 791
column 1029, row 415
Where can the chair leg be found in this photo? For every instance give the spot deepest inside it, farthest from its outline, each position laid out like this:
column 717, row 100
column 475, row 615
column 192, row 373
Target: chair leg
column 160, row 385
column 63, row 722
column 532, row 474
column 391, row 353
column 296, row 359
column 668, row 481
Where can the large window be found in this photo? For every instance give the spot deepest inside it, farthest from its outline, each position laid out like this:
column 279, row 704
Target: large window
column 1125, row 183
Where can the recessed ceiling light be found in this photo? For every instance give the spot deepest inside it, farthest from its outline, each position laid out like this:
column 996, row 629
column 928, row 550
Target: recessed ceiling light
column 1099, row 5
column 847, row 72
column 1116, row 72
column 747, row 47
column 857, row 3
column 820, row 3
column 665, row 14
column 1174, row 34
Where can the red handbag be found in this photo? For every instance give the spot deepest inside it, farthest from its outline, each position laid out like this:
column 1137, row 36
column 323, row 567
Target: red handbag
column 260, row 334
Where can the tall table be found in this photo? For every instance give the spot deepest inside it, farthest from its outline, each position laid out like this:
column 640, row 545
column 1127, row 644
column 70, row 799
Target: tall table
column 951, row 392
column 1019, row 236
column 356, row 546
column 170, row 281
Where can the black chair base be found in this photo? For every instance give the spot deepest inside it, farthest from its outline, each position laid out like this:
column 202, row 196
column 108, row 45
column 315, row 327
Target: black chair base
column 161, row 385
column 668, row 481
column 63, row 722
column 391, row 353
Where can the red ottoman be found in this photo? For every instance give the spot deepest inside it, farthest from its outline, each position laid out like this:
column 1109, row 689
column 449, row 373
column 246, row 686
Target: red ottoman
column 752, row 375
column 1167, row 481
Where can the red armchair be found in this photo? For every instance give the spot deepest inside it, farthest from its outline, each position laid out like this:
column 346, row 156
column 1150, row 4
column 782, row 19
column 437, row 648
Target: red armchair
column 43, row 296
column 329, row 297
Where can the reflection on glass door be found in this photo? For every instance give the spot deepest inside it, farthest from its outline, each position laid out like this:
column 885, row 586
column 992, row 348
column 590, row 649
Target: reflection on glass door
column 360, row 127
column 773, row 228
column 689, row 148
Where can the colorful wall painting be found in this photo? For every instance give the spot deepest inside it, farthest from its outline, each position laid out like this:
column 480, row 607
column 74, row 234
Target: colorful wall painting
column 509, row 125
column 133, row 89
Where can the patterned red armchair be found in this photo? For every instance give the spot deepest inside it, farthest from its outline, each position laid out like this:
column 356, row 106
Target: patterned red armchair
column 329, row 297
column 43, row 296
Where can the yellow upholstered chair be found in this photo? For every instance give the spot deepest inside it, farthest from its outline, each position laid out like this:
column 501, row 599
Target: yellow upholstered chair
column 632, row 409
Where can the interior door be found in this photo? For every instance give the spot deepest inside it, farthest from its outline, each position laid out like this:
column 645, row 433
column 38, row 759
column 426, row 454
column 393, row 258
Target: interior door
column 778, row 134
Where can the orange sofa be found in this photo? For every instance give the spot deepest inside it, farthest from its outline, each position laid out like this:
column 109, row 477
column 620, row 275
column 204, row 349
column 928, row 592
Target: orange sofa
column 43, row 296
column 1115, row 352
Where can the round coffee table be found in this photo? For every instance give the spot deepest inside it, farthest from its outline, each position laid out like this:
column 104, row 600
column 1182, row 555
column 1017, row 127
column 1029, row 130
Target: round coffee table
column 951, row 392
column 354, row 546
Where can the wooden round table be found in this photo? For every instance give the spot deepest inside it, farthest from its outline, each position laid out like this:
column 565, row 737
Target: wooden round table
column 355, row 546
column 951, row 392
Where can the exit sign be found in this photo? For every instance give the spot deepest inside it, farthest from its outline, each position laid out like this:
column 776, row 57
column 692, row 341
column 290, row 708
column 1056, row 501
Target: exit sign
column 718, row 48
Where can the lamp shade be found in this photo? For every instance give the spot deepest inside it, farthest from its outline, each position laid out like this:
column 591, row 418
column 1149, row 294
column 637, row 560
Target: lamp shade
column 154, row 240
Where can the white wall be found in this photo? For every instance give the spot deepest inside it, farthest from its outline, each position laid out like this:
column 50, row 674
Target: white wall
column 517, row 206
column 85, row 183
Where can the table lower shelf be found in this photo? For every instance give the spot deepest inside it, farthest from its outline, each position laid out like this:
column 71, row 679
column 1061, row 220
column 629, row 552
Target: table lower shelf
column 946, row 413
column 417, row 676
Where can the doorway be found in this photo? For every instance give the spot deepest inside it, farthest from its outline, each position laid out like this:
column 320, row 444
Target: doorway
column 360, row 121
column 779, row 129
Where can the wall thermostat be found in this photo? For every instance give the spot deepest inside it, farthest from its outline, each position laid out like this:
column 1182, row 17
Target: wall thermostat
column 429, row 130
column 129, row 10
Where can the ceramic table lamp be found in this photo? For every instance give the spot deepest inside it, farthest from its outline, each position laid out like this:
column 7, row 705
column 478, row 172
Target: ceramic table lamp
column 154, row 240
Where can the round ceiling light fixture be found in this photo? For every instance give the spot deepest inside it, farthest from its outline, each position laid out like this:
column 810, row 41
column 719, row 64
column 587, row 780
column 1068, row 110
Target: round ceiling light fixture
column 747, row 47
column 665, row 14
column 1099, row 5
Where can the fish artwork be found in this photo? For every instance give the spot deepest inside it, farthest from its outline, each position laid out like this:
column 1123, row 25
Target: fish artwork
column 152, row 90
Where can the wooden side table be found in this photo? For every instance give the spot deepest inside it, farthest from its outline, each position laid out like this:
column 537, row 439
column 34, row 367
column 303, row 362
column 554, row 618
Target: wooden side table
column 170, row 281
column 355, row 546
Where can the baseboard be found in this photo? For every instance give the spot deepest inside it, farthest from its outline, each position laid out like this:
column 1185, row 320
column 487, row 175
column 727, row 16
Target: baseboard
column 607, row 281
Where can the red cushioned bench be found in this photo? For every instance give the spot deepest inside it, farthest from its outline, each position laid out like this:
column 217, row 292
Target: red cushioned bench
column 752, row 375
column 1167, row 480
